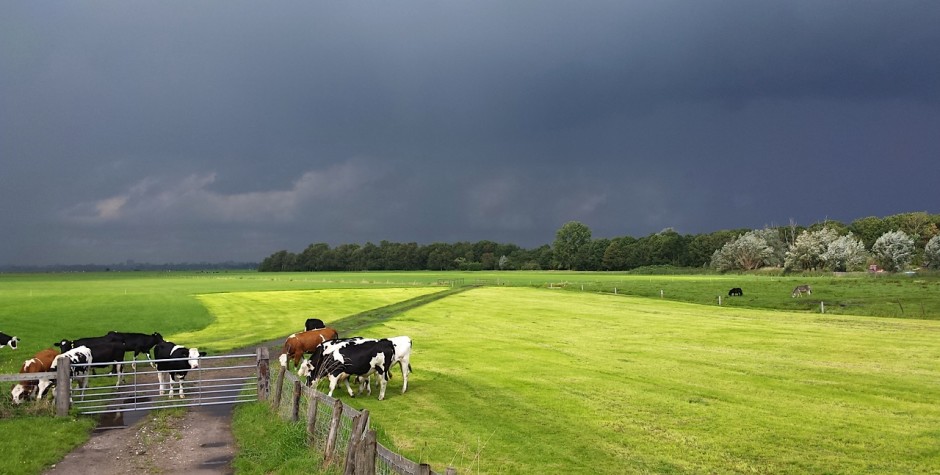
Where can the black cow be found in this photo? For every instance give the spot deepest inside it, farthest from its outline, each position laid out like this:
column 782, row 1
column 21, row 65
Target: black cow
column 181, row 361
column 137, row 342
column 314, row 324
column 7, row 340
column 104, row 349
column 342, row 359
column 736, row 292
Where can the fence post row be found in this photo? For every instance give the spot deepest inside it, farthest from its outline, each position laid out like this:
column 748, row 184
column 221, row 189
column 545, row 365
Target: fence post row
column 360, row 423
column 295, row 408
column 334, row 430
column 264, row 375
column 63, row 387
column 362, row 450
column 312, row 403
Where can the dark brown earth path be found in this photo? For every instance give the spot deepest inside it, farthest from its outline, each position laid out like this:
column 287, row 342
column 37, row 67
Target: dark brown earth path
column 198, row 442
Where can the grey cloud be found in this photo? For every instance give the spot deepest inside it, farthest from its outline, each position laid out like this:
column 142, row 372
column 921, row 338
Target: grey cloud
column 165, row 130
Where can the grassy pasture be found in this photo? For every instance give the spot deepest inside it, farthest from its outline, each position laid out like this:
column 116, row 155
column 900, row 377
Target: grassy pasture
column 511, row 380
column 692, row 388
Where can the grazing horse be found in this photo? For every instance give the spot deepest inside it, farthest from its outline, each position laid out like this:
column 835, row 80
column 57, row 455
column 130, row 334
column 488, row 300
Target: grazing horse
column 798, row 291
column 736, row 292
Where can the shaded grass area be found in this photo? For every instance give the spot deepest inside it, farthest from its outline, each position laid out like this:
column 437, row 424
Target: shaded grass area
column 268, row 444
column 33, row 439
column 536, row 381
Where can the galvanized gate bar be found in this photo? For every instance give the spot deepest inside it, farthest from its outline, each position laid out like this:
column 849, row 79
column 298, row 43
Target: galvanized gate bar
column 140, row 390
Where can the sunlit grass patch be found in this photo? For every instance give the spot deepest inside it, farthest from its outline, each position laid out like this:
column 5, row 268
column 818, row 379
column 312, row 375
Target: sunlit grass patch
column 539, row 381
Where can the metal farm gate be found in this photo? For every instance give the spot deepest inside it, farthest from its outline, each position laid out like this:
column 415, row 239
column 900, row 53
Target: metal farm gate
column 227, row 379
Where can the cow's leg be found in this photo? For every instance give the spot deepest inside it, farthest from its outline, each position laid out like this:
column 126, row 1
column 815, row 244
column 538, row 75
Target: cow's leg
column 333, row 381
column 161, row 376
column 383, row 382
column 120, row 374
column 83, row 383
column 179, row 382
column 349, row 388
column 43, row 386
column 405, row 365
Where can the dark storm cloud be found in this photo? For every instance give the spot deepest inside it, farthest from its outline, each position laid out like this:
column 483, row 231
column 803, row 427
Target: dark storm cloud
column 175, row 131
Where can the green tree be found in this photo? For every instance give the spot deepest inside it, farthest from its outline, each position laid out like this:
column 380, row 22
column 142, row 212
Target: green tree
column 845, row 253
column 571, row 245
column 748, row 252
column 893, row 250
column 806, row 253
column 932, row 253
column 869, row 229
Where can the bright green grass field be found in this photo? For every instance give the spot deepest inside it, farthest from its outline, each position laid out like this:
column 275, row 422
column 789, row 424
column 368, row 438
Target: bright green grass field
column 516, row 380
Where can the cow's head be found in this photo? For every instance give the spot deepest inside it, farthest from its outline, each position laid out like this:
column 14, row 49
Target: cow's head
column 7, row 340
column 194, row 355
column 310, row 368
column 23, row 389
column 157, row 336
column 18, row 393
column 65, row 345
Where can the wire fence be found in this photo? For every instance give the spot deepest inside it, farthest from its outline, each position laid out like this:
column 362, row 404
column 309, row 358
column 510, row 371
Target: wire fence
column 343, row 434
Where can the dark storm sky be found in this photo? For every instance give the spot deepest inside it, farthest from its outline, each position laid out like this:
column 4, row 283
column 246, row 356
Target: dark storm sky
column 179, row 131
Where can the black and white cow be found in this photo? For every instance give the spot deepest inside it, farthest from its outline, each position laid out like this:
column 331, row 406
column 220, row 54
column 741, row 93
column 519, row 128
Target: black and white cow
column 736, row 292
column 173, row 363
column 78, row 357
column 343, row 359
column 7, row 340
column 402, row 358
column 137, row 342
column 104, row 349
column 314, row 324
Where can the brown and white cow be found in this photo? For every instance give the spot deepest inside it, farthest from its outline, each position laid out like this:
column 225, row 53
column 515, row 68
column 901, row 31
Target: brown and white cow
column 40, row 363
column 304, row 342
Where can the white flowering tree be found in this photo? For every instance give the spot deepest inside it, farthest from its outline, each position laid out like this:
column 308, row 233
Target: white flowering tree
column 747, row 252
column 845, row 253
column 893, row 250
column 806, row 253
column 932, row 253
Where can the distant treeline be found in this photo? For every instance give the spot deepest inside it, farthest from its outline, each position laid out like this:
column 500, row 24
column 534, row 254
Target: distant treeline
column 131, row 266
column 665, row 248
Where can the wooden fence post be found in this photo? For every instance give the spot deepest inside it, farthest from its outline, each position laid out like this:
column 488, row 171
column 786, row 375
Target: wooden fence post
column 278, row 387
column 264, row 376
column 334, row 430
column 450, row 471
column 359, row 424
column 424, row 469
column 312, row 403
column 365, row 459
column 63, row 387
column 295, row 408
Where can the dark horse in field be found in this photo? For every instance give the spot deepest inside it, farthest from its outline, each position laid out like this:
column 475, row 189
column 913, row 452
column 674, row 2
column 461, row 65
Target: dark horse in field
column 736, row 292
